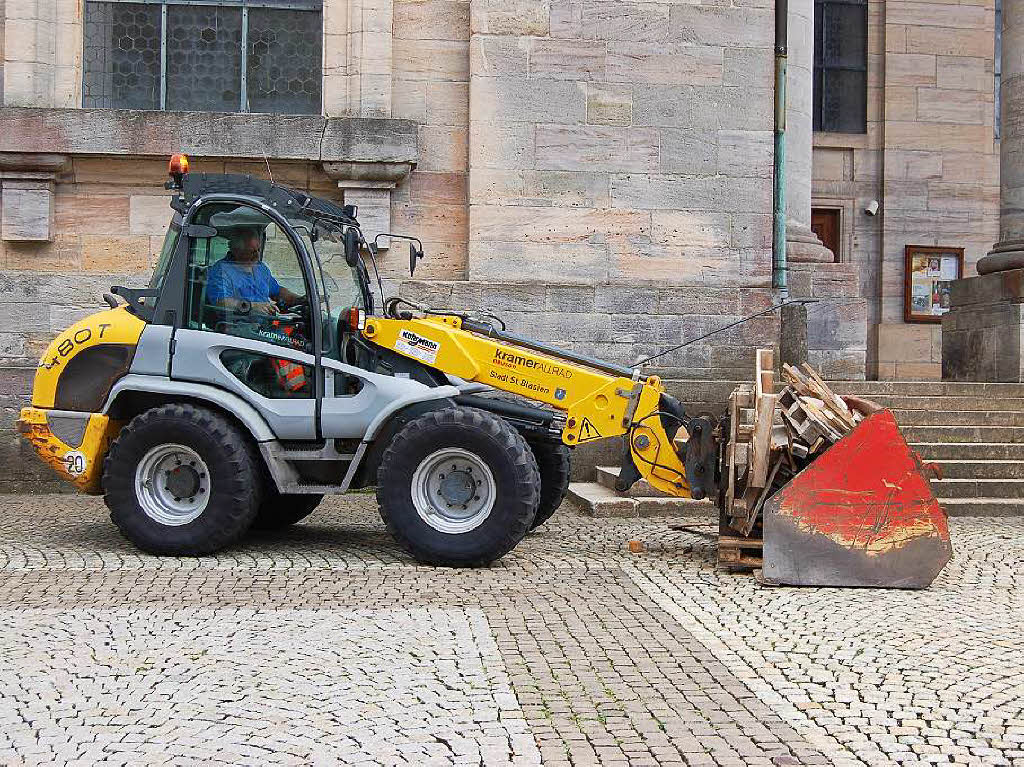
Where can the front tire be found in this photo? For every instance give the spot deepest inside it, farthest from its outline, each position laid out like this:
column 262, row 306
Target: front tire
column 458, row 487
column 182, row 480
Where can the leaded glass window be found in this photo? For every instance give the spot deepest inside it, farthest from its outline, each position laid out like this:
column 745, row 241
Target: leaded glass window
column 840, row 65
column 230, row 56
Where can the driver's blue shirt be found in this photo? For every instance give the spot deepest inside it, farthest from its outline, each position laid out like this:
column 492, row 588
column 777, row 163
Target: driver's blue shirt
column 228, row 279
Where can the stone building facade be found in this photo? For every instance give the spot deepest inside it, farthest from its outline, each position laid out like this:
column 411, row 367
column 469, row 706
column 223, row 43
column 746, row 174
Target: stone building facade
column 598, row 172
column 929, row 156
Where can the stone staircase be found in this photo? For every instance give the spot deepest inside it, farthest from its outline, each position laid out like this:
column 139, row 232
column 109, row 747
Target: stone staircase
column 974, row 432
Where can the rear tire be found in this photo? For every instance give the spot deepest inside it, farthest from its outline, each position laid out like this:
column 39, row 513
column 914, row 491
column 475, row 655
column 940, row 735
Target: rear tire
column 553, row 461
column 458, row 487
column 182, row 480
column 278, row 510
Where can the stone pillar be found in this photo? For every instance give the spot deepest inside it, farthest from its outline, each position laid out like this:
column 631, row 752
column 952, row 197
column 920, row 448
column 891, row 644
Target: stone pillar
column 793, row 335
column 369, row 185
column 26, row 195
column 802, row 245
column 42, row 51
column 1008, row 253
column 983, row 331
column 358, row 62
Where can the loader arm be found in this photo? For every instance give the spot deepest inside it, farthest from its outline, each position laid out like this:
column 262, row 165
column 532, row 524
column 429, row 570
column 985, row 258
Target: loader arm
column 598, row 402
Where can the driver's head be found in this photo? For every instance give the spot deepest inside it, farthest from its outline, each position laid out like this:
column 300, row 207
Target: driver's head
column 244, row 244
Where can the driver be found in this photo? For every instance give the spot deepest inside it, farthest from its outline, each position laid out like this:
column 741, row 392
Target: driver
column 241, row 278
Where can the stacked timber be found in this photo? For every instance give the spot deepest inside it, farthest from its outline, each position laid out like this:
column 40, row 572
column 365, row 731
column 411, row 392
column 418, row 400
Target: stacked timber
column 771, row 438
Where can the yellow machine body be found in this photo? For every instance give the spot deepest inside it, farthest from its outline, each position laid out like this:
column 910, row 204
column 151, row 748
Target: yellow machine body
column 597, row 405
column 76, row 452
column 113, row 326
column 80, row 464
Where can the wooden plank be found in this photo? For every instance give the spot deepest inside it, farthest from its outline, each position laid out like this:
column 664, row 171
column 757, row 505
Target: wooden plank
column 764, row 373
column 735, row 541
column 730, row 450
column 830, row 397
column 761, row 442
column 818, row 415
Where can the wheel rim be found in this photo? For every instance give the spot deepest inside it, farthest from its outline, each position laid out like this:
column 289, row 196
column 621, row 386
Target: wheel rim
column 172, row 484
column 453, row 490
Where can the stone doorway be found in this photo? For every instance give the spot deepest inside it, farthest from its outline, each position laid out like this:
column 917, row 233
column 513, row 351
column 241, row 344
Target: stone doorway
column 827, row 224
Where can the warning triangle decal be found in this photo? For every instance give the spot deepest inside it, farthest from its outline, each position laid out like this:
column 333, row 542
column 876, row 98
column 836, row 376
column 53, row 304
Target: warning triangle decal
column 588, row 432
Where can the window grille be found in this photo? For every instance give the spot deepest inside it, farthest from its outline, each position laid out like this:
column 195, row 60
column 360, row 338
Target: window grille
column 840, row 65
column 230, row 56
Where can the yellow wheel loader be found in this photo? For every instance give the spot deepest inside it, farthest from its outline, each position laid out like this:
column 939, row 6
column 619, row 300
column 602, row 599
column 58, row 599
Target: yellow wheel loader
column 256, row 373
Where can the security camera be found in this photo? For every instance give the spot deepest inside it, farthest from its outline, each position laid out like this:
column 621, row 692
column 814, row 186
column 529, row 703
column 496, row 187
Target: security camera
column 872, row 208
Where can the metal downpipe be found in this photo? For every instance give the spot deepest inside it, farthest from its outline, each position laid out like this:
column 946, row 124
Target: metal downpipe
column 779, row 268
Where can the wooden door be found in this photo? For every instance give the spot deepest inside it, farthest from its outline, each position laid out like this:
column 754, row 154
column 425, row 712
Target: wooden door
column 825, row 224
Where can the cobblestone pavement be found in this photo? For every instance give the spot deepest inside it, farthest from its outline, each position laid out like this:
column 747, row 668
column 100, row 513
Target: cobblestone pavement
column 325, row 644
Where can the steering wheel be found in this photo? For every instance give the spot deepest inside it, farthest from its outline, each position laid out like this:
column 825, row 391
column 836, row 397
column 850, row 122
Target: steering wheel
column 300, row 307
column 297, row 311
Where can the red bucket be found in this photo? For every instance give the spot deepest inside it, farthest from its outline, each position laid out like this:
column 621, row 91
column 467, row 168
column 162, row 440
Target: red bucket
column 863, row 514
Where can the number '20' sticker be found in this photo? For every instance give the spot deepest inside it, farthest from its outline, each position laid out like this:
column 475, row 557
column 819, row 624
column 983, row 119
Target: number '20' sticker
column 76, row 463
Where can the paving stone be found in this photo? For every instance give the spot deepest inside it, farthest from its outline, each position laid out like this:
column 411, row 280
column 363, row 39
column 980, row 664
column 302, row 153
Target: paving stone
column 325, row 643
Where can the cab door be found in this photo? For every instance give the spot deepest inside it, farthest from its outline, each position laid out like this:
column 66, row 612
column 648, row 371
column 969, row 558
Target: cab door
column 233, row 336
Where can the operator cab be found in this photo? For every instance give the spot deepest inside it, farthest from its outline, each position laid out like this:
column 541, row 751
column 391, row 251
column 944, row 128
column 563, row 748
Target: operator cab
column 250, row 259
column 263, row 291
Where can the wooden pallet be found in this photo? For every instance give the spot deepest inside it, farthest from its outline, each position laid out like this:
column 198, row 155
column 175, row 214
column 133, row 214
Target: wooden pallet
column 737, row 552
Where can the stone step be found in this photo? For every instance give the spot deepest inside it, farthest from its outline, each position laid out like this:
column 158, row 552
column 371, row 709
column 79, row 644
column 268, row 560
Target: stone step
column 982, row 507
column 902, row 402
column 908, row 417
column 929, row 388
column 965, row 487
column 981, row 434
column 969, row 451
column 600, row 501
column 981, row 469
column 708, row 390
column 978, row 488
column 949, row 487
column 606, row 476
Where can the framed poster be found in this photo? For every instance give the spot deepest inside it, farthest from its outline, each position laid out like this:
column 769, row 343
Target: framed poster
column 928, row 274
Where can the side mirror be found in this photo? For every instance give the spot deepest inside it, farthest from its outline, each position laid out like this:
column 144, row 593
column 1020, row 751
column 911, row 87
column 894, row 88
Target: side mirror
column 414, row 255
column 351, row 240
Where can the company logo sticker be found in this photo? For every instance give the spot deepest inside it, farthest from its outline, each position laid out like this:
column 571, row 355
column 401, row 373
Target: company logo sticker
column 559, row 394
column 511, row 360
column 417, row 346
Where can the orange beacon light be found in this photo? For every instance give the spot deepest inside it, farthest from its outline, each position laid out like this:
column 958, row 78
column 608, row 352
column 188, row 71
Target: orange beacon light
column 176, row 168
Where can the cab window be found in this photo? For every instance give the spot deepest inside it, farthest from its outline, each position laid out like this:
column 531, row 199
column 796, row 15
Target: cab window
column 338, row 283
column 163, row 262
column 271, row 377
column 245, row 279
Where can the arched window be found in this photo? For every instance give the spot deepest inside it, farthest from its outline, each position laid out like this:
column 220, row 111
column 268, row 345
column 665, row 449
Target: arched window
column 841, row 66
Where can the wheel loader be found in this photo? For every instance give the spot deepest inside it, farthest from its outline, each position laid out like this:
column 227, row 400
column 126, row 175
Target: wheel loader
column 257, row 372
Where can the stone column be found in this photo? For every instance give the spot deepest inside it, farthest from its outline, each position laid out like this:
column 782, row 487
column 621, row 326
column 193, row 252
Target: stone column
column 26, row 195
column 983, row 331
column 369, row 185
column 358, row 63
column 1008, row 253
column 802, row 245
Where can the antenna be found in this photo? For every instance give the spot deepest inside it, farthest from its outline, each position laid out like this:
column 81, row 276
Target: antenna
column 269, row 171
